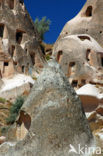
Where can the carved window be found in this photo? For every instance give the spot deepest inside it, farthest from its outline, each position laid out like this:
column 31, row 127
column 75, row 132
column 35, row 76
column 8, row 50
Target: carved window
column 23, row 69
column 21, row 1
column 11, row 4
column 74, row 83
column 59, row 56
column 87, row 54
column 89, row 11
column 6, row 63
column 1, row 30
column 19, row 36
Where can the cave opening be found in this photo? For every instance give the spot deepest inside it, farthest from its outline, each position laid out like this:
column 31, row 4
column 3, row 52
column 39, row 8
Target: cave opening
column 102, row 61
column 82, row 38
column 59, row 56
column 21, row 1
column 23, row 69
column 11, row 4
column 1, row 30
column 87, row 54
column 89, row 11
column 19, row 35
column 6, row 63
column 74, row 83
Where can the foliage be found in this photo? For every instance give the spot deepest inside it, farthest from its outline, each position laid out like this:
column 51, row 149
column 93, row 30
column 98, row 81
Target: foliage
column 42, row 26
column 14, row 110
column 2, row 100
column 47, row 57
column 34, row 77
column 5, row 129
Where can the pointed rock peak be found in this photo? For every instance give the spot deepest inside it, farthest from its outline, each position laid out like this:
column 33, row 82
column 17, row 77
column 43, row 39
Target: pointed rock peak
column 57, row 117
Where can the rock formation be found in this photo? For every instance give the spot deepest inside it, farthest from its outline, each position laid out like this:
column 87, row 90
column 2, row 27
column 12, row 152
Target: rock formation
column 91, row 97
column 88, row 21
column 81, row 59
column 79, row 51
column 19, row 47
column 53, row 116
column 2, row 139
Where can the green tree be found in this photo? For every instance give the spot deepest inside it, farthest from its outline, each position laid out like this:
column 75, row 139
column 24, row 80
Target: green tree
column 42, row 26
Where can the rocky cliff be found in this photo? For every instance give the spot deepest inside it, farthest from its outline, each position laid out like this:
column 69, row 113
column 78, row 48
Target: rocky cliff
column 20, row 50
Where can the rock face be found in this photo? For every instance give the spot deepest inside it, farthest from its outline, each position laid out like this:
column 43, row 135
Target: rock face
column 19, row 47
column 88, row 21
column 91, row 97
column 53, row 116
column 80, row 57
column 2, row 139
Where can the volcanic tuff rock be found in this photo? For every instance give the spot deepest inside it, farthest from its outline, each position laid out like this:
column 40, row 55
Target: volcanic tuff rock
column 54, row 117
column 88, row 21
column 80, row 57
column 20, row 50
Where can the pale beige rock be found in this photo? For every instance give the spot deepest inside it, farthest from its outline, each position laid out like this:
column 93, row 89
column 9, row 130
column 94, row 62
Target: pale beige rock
column 80, row 57
column 88, row 21
column 21, row 132
column 2, row 139
column 19, row 40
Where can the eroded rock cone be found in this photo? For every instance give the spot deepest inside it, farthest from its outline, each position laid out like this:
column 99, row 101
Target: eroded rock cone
column 55, row 117
column 88, row 21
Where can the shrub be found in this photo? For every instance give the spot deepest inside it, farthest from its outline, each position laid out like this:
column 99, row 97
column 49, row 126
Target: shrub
column 4, row 129
column 14, row 110
column 2, row 100
column 47, row 57
column 42, row 26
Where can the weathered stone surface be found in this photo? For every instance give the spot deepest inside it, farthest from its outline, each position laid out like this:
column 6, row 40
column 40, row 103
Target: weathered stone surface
column 95, row 120
column 2, row 139
column 91, row 97
column 55, row 117
column 80, row 57
column 99, row 110
column 19, row 40
column 88, row 21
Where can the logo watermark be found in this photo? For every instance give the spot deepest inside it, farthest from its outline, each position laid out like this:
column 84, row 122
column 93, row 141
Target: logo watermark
column 85, row 150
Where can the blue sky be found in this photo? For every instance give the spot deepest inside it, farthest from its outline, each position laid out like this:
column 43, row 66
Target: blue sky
column 58, row 11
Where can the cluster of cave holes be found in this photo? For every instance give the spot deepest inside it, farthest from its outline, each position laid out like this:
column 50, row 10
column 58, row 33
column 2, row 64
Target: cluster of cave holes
column 88, row 12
